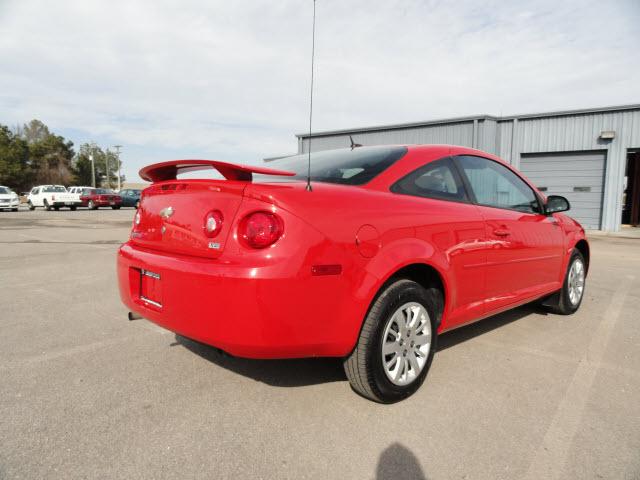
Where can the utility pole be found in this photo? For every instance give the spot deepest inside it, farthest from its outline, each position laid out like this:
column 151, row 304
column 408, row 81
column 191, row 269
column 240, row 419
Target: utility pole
column 118, row 147
column 93, row 168
column 106, row 158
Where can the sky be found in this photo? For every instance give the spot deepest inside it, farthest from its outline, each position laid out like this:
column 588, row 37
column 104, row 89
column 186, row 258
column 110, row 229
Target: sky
column 229, row 80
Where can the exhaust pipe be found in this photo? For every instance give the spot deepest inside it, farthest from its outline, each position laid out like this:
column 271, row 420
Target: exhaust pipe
column 134, row 316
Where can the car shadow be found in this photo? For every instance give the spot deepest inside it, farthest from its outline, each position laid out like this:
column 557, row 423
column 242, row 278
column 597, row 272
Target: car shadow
column 278, row 373
column 314, row 371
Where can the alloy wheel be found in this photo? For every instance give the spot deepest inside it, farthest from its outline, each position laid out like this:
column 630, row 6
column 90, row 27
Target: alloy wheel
column 406, row 343
column 575, row 281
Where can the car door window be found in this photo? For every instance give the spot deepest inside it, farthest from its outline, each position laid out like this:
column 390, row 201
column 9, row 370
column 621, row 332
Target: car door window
column 437, row 179
column 495, row 185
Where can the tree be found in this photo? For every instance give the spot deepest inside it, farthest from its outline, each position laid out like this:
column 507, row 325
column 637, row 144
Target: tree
column 34, row 131
column 15, row 171
column 101, row 159
column 50, row 155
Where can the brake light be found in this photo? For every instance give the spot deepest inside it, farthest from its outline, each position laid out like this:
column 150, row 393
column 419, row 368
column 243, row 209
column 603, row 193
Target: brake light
column 261, row 229
column 213, row 223
column 53, row 197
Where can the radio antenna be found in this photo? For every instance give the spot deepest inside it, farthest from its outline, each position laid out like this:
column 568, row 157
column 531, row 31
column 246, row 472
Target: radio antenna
column 313, row 52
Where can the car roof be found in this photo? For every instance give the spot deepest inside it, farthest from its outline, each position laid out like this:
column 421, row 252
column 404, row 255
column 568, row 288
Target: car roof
column 419, row 155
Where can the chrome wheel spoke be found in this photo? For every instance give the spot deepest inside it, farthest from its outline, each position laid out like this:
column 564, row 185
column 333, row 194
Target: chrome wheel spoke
column 422, row 340
column 393, row 363
column 398, row 369
column 389, row 348
column 413, row 361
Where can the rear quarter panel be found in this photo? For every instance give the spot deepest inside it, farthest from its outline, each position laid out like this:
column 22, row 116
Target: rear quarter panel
column 337, row 213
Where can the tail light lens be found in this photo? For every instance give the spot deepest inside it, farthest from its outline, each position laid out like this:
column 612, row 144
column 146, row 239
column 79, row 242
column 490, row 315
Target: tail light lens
column 213, row 223
column 136, row 219
column 261, row 229
column 53, row 197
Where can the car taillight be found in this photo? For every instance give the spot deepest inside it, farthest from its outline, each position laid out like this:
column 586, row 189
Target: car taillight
column 261, row 229
column 136, row 219
column 53, row 197
column 213, row 223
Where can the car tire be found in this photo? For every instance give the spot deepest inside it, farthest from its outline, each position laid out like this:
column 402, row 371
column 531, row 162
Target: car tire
column 573, row 286
column 14, row 209
column 385, row 327
column 56, row 208
column 31, row 206
column 115, row 207
column 91, row 205
column 72, row 208
column 47, row 207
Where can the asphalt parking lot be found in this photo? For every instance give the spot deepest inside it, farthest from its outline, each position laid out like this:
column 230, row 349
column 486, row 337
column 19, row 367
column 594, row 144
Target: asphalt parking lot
column 84, row 393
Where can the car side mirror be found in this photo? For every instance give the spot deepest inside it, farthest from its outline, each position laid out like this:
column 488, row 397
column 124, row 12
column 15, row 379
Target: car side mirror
column 556, row 203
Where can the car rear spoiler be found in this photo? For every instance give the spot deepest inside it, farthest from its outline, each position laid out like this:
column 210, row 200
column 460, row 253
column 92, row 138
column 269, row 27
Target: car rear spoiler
column 159, row 172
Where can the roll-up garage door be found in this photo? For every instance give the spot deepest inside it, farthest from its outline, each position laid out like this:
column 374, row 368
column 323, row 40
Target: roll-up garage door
column 578, row 176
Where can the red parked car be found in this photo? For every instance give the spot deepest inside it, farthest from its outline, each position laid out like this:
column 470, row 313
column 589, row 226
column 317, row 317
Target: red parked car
column 389, row 247
column 94, row 198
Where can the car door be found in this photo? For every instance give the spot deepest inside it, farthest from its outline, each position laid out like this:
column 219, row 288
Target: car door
column 36, row 198
column 444, row 217
column 526, row 254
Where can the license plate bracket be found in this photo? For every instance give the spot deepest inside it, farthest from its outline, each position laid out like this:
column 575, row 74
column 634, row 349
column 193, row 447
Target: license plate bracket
column 150, row 288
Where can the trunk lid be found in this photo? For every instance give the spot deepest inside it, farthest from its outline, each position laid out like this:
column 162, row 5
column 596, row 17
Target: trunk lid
column 172, row 216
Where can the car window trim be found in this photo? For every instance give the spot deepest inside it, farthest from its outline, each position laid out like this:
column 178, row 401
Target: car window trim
column 456, row 176
column 469, row 188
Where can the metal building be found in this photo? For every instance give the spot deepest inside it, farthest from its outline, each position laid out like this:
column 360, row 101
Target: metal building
column 590, row 156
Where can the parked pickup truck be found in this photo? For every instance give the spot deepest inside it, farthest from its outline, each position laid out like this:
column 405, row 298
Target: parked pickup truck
column 51, row 197
column 94, row 198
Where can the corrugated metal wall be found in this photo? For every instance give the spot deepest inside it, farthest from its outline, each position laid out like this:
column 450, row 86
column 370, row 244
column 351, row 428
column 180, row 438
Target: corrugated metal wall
column 450, row 134
column 510, row 138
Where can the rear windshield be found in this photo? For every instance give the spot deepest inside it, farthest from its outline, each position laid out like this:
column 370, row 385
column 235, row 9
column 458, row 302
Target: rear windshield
column 345, row 166
column 56, row 188
column 96, row 191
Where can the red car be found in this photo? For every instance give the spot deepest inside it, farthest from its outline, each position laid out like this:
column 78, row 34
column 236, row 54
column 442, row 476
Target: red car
column 94, row 198
column 385, row 249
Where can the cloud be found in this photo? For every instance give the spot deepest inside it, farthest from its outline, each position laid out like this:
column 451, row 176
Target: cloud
column 230, row 80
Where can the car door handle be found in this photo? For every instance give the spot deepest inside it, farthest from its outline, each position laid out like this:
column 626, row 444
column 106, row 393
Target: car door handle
column 501, row 232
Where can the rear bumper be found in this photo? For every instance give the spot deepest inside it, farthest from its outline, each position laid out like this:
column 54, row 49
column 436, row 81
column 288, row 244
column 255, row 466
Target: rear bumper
column 102, row 203
column 266, row 312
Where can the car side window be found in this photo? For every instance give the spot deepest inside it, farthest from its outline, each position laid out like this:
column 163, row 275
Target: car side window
column 494, row 185
column 437, row 179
